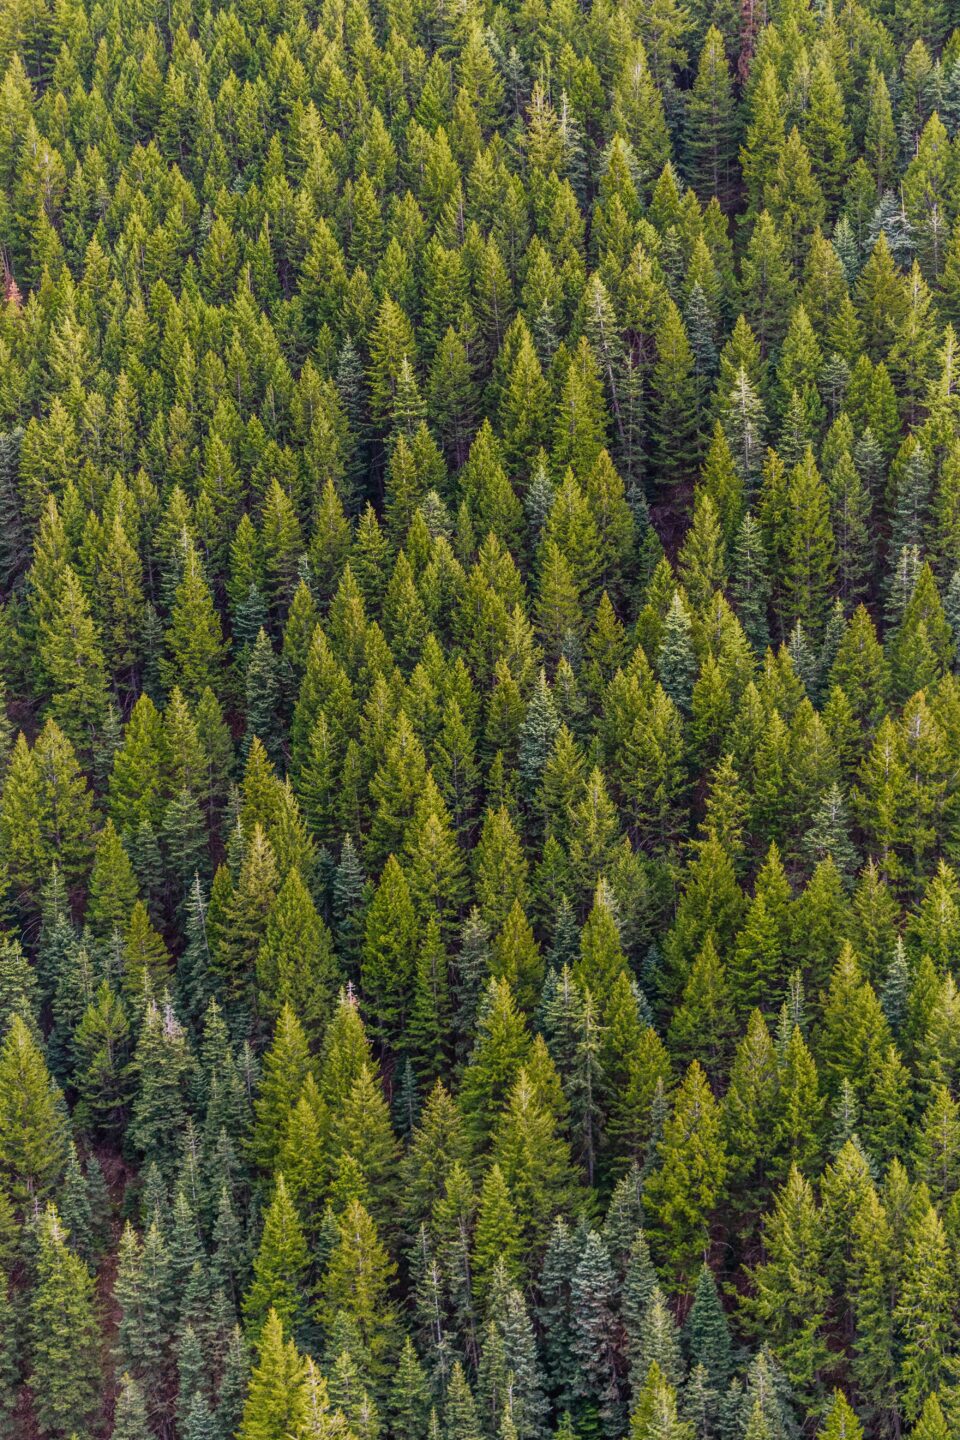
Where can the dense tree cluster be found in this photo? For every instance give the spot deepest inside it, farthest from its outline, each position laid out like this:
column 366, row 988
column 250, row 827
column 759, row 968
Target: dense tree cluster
column 479, row 720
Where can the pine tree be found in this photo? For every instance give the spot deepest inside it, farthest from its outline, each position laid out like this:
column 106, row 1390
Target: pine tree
column 65, row 1377
column 748, row 1112
column 295, row 962
column 538, row 734
column 45, row 813
column 750, row 585
column 682, row 1192
column 850, row 515
column 676, row 661
column 920, row 1320
column 502, row 1044
column 146, row 963
column 841, row 1422
column 703, row 558
column 768, row 288
column 809, row 552
column 409, row 1396
column 595, row 1337
column 826, row 133
column 638, row 115
column 430, row 1018
column 262, row 692
column 15, row 550
column 437, row 1145
column 190, row 1373
column 136, row 779
column 757, row 970
column 76, row 1210
column 674, row 407
column 703, row 1024
column 18, row 988
column 112, row 887
column 460, row 1412
column 279, row 1269
column 707, row 1332
column 555, row 1314
column 9, row 1370
column 710, row 123
column 936, row 1146
column 700, row 1403
column 194, row 982
column 655, row 1411
column 73, row 658
column 276, row 1399
column 932, row 1424
column 790, row 1297
column 233, row 1382
column 639, row 1283
column 130, row 1414
column 239, row 929
column 871, row 1266
column 162, row 1063
column 388, row 952
column 527, row 1405
column 143, row 1290
column 528, row 1146
column 349, row 902
column 194, row 639
column 910, row 483
column 362, row 1138
column 497, row 1238
column 765, row 135
column 201, row 1423
column 656, row 1341
column 285, row 1068
column 357, row 1281
column 33, row 1140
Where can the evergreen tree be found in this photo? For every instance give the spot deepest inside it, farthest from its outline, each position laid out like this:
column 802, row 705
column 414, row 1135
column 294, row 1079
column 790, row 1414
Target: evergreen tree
column 279, row 1269
column 409, row 1395
column 194, row 639
column 45, row 813
column 676, row 661
column 9, row 1370
column 497, row 1239
column 130, row 1414
column 74, row 662
column 707, row 1333
column 65, row 1377
column 657, row 1342
column 528, row 441
column 162, row 1063
column 682, row 1192
column 501, row 1046
column 275, row 1402
column 387, row 965
column 920, row 1321
column 33, row 1140
column 356, row 1282
column 655, row 1414
column 710, row 123
column 790, row 1297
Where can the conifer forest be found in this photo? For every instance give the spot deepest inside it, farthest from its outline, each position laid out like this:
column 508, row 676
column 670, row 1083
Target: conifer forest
column 480, row 720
